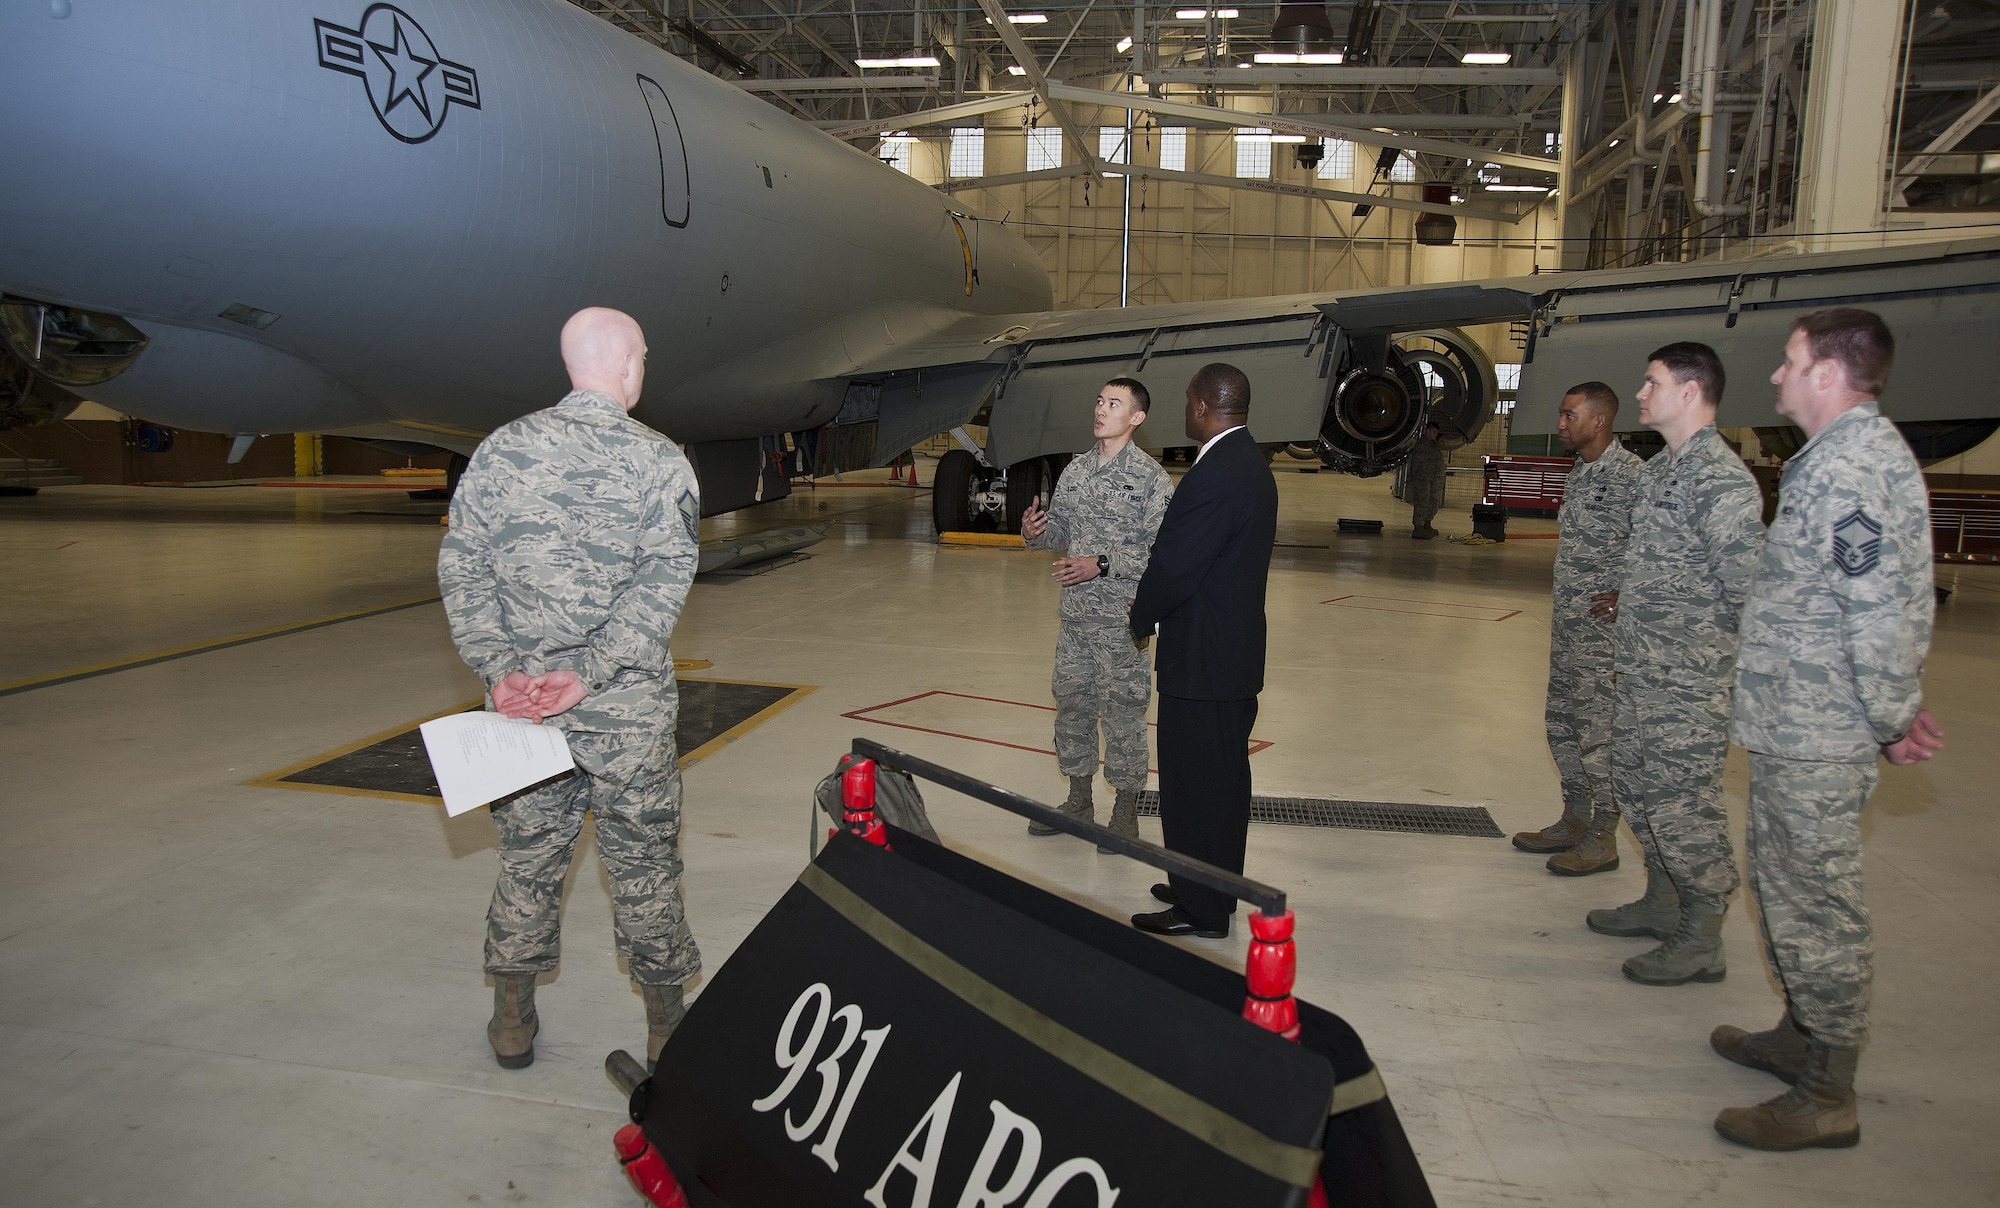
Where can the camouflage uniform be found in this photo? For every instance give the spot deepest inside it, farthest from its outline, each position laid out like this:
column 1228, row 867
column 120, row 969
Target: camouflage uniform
column 1697, row 527
column 573, row 542
column 1424, row 482
column 1829, row 669
column 1596, row 521
column 1114, row 509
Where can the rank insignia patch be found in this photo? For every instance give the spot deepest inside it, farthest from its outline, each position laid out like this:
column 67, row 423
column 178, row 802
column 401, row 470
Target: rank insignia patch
column 1857, row 543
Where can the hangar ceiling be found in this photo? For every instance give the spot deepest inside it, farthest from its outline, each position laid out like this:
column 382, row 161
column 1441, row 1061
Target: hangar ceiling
column 1479, row 95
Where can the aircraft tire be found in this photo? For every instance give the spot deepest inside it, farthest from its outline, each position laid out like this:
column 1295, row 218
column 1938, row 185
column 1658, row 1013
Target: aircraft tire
column 951, row 491
column 1026, row 480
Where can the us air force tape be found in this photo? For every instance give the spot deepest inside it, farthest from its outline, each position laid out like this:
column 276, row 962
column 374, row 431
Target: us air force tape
column 911, row 1028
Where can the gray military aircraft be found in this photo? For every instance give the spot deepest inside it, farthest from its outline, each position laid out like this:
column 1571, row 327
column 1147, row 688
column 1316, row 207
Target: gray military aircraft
column 371, row 219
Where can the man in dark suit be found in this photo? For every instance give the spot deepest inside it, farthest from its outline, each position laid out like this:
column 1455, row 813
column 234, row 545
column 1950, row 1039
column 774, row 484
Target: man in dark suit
column 1203, row 593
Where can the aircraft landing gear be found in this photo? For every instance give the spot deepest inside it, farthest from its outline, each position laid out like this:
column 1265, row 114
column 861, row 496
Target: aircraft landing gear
column 969, row 497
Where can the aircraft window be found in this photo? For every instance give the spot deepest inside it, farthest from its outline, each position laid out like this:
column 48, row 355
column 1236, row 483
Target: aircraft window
column 674, row 185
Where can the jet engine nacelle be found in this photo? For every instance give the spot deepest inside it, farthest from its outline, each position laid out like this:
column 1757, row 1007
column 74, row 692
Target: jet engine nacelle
column 1390, row 387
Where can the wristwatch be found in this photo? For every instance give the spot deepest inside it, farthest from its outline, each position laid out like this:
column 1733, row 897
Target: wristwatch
column 1104, row 566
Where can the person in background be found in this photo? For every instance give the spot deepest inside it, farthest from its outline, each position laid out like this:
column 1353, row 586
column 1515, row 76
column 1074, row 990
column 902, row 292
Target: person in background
column 1594, row 525
column 1697, row 529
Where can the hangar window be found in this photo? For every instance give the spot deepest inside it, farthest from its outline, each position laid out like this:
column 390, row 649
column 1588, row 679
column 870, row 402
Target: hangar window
column 968, row 152
column 1253, row 152
column 1173, row 148
column 1044, row 148
column 1111, row 145
column 1405, row 170
column 1336, row 159
column 896, row 151
column 674, row 187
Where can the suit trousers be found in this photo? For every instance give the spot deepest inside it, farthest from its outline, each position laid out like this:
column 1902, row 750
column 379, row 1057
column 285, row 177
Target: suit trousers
column 1205, row 794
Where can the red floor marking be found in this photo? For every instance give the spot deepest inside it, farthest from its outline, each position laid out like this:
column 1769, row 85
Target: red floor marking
column 1342, row 601
column 1256, row 744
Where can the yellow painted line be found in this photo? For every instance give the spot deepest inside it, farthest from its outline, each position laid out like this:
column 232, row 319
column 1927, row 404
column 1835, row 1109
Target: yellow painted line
column 989, row 540
column 271, row 780
column 276, row 780
column 182, row 652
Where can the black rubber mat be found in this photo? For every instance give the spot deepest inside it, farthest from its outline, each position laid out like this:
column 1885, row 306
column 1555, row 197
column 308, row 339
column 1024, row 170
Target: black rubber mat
column 398, row 764
column 1471, row 821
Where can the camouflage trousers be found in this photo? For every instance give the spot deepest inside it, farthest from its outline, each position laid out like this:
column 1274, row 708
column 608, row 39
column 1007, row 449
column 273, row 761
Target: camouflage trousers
column 1803, row 847
column 635, row 796
column 1102, row 677
column 1581, row 709
column 1667, row 748
column 1425, row 500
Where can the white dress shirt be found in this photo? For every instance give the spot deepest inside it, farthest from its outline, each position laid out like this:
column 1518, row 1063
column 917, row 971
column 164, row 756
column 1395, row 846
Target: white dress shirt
column 1218, row 436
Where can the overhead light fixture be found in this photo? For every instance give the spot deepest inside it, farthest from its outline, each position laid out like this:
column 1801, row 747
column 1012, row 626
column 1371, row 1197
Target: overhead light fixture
column 1614, row 142
column 904, row 61
column 1255, row 134
column 1309, row 59
column 1028, row 18
column 898, row 136
column 1016, row 69
column 1288, row 138
column 1486, row 58
column 1124, row 44
column 1658, row 97
column 1674, row 99
column 1244, row 66
column 1517, row 188
column 1202, row 14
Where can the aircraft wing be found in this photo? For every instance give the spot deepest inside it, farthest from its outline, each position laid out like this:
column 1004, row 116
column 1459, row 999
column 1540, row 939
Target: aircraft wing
column 1355, row 373
column 1035, row 375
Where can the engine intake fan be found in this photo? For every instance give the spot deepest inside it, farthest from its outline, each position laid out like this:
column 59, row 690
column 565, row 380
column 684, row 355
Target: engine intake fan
column 1378, row 412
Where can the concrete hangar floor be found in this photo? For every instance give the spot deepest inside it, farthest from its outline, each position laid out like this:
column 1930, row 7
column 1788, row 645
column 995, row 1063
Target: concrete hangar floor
column 220, row 992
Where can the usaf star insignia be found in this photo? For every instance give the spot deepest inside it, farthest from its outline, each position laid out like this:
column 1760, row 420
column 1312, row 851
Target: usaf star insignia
column 410, row 85
column 1857, row 543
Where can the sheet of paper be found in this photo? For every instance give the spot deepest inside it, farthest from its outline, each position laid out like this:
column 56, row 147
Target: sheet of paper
column 480, row 757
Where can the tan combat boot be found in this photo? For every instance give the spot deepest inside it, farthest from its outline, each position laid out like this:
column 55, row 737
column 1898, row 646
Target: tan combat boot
column 1692, row 953
column 1568, row 831
column 1817, row 1113
column 664, row 1012
column 1078, row 806
column 1656, row 913
column 512, row 1029
column 1124, row 816
column 1780, row 1051
column 1598, row 852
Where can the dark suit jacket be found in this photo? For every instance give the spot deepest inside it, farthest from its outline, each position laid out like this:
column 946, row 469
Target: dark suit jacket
column 1205, row 584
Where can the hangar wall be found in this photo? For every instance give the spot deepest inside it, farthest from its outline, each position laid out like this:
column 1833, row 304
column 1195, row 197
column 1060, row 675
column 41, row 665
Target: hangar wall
column 1195, row 242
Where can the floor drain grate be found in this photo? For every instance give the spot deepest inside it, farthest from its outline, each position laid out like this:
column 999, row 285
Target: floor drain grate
column 1469, row 820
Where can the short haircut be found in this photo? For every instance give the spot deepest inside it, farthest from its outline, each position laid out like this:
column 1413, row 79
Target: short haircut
column 1598, row 395
column 1140, row 398
column 1691, row 362
column 1857, row 338
column 1223, row 388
